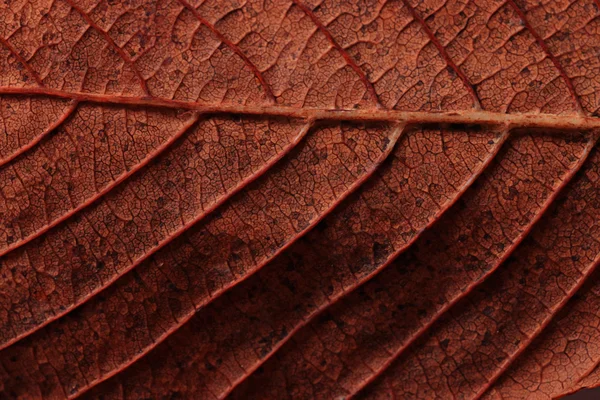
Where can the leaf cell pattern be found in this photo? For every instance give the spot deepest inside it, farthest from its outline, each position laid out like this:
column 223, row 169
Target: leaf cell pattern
column 299, row 199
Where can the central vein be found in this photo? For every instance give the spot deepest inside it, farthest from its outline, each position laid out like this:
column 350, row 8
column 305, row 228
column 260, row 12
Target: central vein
column 531, row 120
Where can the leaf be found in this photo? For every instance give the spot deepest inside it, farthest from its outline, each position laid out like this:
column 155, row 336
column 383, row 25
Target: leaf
column 297, row 199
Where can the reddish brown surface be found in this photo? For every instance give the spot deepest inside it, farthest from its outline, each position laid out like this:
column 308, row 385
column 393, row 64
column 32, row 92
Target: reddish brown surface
column 299, row 199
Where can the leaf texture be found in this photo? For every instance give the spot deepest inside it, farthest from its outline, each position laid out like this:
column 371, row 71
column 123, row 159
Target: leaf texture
column 299, row 199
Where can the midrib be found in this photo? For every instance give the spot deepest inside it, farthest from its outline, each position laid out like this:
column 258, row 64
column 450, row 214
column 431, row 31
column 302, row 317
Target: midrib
column 471, row 117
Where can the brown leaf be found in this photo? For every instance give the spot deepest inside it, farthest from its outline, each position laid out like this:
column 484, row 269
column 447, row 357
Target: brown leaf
column 299, row 199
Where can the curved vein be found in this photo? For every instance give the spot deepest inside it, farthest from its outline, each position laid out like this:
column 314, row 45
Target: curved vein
column 549, row 54
column 539, row 330
column 22, row 61
column 360, row 283
column 442, row 50
column 112, row 44
column 233, row 47
column 178, row 232
column 148, row 159
column 35, row 141
column 396, row 134
column 191, row 122
column 421, row 332
column 24, row 149
column 349, row 60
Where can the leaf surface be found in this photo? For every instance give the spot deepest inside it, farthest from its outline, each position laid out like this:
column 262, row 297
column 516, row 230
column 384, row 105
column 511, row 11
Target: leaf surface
column 298, row 199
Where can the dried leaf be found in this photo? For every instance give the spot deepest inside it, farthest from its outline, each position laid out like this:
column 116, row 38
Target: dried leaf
column 299, row 199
